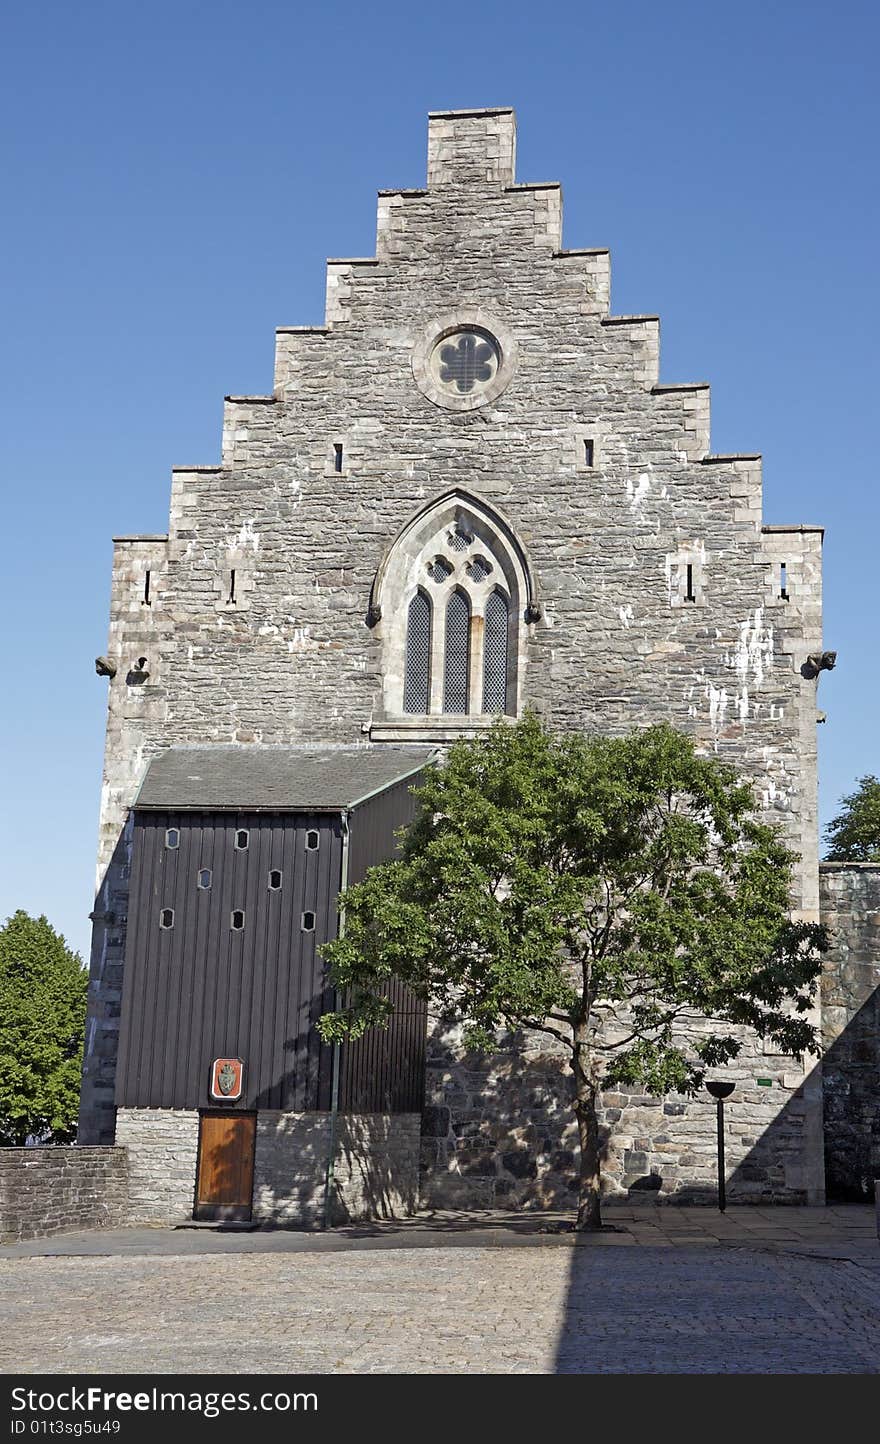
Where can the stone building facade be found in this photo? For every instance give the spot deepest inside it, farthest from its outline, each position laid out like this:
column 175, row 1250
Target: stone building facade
column 470, row 492
column 850, row 898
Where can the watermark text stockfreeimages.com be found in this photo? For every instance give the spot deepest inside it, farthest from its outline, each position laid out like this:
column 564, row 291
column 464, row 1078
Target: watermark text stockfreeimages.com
column 210, row 1404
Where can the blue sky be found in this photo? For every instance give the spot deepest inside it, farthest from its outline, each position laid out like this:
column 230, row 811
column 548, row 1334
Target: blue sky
column 176, row 173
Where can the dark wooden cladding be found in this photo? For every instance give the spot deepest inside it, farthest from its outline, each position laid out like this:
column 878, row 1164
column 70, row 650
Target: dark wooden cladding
column 384, row 1072
column 374, row 823
column 201, row 990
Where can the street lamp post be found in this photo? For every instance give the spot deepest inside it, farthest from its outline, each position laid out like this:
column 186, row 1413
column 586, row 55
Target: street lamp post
column 719, row 1092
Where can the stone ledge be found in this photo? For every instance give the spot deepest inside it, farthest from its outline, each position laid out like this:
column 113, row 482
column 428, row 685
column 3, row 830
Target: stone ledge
column 466, row 114
column 799, row 527
column 669, row 388
column 720, row 458
column 825, row 866
column 430, row 729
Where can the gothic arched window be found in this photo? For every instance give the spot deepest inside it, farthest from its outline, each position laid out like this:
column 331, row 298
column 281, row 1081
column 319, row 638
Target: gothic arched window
column 454, row 597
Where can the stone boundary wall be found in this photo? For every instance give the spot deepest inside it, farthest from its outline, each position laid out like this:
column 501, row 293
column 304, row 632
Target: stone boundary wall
column 850, row 899
column 54, row 1190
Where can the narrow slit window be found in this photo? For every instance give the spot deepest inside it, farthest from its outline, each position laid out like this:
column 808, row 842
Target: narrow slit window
column 588, row 453
column 495, row 654
column 237, row 921
column 313, row 840
column 417, row 677
column 275, row 880
column 166, row 919
column 690, row 594
column 230, row 600
column 242, row 838
column 783, row 581
column 204, row 879
column 147, row 602
column 308, row 922
column 337, row 456
column 172, row 838
column 456, row 668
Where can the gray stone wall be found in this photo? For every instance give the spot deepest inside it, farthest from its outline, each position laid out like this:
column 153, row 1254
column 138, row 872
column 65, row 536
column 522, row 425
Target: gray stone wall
column 376, row 1165
column 851, row 1028
column 375, row 1173
column 298, row 657
column 162, row 1146
column 56, row 1190
column 97, row 1117
column 498, row 1132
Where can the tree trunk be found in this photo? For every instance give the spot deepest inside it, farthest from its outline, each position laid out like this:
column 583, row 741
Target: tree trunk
column 589, row 1215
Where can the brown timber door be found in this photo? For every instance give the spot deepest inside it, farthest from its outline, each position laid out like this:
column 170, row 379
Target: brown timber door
column 226, row 1166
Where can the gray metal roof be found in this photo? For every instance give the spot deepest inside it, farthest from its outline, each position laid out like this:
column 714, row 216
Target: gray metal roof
column 252, row 778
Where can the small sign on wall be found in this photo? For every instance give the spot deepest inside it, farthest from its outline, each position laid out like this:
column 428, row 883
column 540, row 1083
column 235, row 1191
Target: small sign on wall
column 227, row 1079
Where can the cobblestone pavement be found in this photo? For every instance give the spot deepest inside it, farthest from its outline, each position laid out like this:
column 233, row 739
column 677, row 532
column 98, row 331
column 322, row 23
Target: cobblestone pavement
column 528, row 1309
column 838, row 1230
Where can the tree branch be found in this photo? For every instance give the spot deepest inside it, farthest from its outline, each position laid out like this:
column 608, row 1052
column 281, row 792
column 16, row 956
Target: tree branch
column 514, row 1023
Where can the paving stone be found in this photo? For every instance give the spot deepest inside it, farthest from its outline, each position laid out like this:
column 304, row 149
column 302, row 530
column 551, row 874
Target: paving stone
column 681, row 1309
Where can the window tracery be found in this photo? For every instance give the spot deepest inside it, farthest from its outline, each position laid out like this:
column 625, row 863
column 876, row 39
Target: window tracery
column 455, row 599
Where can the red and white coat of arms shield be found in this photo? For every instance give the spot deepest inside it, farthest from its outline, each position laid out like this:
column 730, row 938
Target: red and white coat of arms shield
column 227, row 1079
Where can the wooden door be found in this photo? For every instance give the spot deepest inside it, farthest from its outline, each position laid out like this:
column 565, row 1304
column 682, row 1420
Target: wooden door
column 226, row 1166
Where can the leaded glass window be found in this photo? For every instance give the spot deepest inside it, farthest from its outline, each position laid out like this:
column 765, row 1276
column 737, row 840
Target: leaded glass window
column 439, row 569
column 417, row 677
column 466, row 359
column 495, row 654
column 479, row 569
column 455, row 674
column 454, row 591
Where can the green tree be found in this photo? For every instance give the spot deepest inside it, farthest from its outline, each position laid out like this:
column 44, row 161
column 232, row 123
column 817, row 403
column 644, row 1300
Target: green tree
column 854, row 835
column 606, row 891
column 42, row 1020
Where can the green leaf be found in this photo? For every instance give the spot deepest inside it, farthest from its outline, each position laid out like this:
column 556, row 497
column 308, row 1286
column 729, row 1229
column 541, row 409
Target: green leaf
column 42, row 1020
column 607, row 891
column 854, row 834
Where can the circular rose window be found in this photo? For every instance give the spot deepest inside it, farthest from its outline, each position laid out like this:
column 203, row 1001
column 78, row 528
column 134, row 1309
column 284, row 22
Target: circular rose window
column 465, row 361
column 461, row 362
